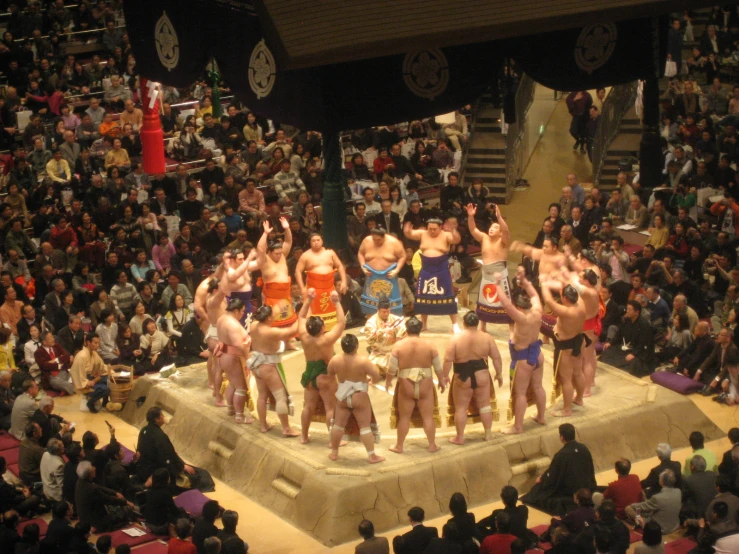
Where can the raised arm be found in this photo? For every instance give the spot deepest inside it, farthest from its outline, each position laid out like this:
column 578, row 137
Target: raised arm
column 334, row 334
column 471, row 225
column 287, row 242
column 255, row 260
column 533, row 295
column 262, row 244
column 526, row 250
column 506, row 235
column 411, row 233
column 557, row 309
column 305, row 308
column 508, row 306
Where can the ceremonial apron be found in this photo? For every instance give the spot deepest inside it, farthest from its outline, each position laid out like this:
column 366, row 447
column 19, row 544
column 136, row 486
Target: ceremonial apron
column 434, row 291
column 322, row 306
column 489, row 307
column 378, row 284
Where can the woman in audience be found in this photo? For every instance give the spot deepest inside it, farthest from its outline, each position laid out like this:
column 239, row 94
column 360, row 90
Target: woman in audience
column 141, row 266
column 555, row 219
column 84, row 284
column 60, row 318
column 177, row 315
column 129, row 224
column 592, row 214
column 149, row 226
column 651, row 540
column 464, row 520
column 693, row 267
column 668, row 128
column 383, row 164
column 101, row 302
column 29, row 349
column 298, row 209
column 400, row 206
column 149, row 299
column 678, row 337
column 659, row 234
column 677, row 244
column 271, row 166
column 310, row 221
column 107, row 330
column 359, row 170
column 477, row 195
column 92, row 249
column 6, row 350
column 298, row 158
column 129, row 345
column 124, row 246
column 140, row 314
column 252, row 130
column 155, row 346
column 213, row 199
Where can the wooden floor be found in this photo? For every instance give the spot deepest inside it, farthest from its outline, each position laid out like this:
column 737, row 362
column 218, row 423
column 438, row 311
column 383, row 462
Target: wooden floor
column 553, row 159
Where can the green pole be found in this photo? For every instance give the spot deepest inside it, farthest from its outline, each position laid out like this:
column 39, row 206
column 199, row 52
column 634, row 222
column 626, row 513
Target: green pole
column 334, row 205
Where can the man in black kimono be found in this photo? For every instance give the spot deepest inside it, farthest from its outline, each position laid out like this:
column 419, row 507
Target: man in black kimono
column 157, row 451
column 571, row 470
column 632, row 348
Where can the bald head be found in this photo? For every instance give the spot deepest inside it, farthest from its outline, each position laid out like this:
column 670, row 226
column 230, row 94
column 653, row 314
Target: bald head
column 702, row 329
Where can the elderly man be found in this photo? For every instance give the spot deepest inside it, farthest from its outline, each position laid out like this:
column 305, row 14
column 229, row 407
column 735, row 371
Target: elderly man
column 383, row 330
column 680, row 306
column 690, row 359
column 52, row 426
column 23, row 409
column 567, row 240
column 651, row 484
column 52, row 470
column 566, row 202
column 92, row 501
column 663, row 507
column 637, row 213
column 725, row 354
column 54, row 363
column 381, row 257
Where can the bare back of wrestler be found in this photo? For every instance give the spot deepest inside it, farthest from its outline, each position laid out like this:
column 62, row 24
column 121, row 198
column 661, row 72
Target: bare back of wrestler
column 268, row 340
column 215, row 307
column 471, row 345
column 235, row 352
column 352, row 371
column 380, row 251
column 526, row 314
column 318, row 346
column 589, row 285
column 415, row 353
column 570, row 319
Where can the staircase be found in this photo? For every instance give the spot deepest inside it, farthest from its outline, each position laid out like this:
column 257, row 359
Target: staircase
column 486, row 155
column 625, row 144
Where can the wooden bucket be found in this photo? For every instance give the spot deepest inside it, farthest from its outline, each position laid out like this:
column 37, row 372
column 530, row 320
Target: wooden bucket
column 120, row 387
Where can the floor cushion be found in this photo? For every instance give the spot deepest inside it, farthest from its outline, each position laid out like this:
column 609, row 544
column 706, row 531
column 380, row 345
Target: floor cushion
column 676, row 382
column 192, row 502
column 119, row 537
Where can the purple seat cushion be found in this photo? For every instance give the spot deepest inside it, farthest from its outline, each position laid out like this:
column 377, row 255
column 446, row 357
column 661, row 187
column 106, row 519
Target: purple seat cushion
column 7, row 442
column 680, row 546
column 43, row 527
column 676, row 382
column 119, row 537
column 11, row 456
column 192, row 502
column 127, row 455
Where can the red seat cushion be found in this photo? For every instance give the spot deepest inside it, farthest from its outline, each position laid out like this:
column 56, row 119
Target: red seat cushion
column 680, row 546
column 156, row 547
column 119, row 537
column 8, row 441
column 14, row 470
column 43, row 527
column 635, row 536
column 11, row 456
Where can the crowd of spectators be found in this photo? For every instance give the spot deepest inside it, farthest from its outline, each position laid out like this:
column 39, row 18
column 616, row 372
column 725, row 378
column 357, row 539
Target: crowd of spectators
column 91, row 488
column 699, row 496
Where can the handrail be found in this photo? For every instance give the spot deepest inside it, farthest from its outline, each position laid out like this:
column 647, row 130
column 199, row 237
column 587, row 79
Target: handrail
column 514, row 153
column 72, row 33
column 471, row 127
column 618, row 102
column 41, row 10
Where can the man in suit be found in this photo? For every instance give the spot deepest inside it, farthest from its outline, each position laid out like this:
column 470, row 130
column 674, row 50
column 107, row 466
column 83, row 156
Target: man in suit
column 54, row 363
column 389, row 220
column 131, row 201
column 614, row 312
column 579, row 226
column 28, row 318
column 71, row 337
column 48, row 255
column 23, row 409
column 136, row 178
column 371, row 544
column 162, row 204
column 52, row 426
column 724, row 354
column 728, row 467
column 691, row 357
column 417, row 539
column 651, row 485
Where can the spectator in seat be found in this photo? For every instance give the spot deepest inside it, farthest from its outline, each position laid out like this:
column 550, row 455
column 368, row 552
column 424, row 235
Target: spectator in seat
column 117, row 157
column 205, row 527
column 180, row 543
column 518, row 515
column 452, row 195
column 608, row 524
column 7, row 398
column 231, row 543
column 442, row 158
column 499, row 542
column 699, row 489
column 371, row 543
column 59, row 170
column 288, row 184
column 651, row 484
column 132, row 115
column 16, row 498
column 626, row 490
column 30, row 454
column 23, row 409
column 697, row 444
column 714, row 369
column 92, row 499
column 52, row 426
column 251, row 200
column 418, row 538
column 662, row 508
column 116, row 94
column 690, row 359
column 160, row 511
column 52, row 470
column 651, row 540
column 636, row 333
column 60, row 531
